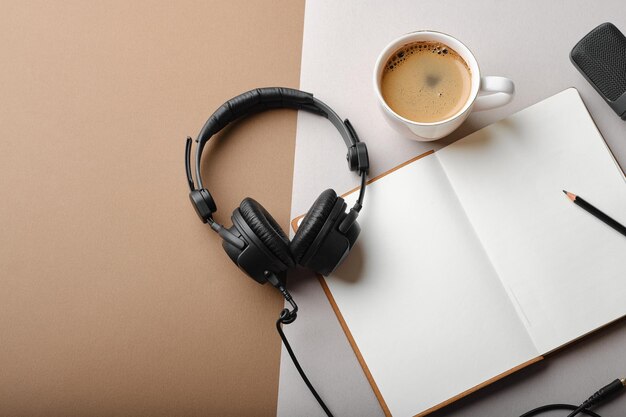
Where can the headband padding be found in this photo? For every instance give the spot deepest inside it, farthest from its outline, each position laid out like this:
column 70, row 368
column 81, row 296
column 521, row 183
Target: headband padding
column 312, row 224
column 254, row 101
column 267, row 230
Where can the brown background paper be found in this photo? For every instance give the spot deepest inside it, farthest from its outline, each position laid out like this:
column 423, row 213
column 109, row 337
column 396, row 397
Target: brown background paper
column 114, row 298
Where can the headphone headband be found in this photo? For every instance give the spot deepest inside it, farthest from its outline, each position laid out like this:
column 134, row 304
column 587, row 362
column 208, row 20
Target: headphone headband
column 261, row 99
column 254, row 101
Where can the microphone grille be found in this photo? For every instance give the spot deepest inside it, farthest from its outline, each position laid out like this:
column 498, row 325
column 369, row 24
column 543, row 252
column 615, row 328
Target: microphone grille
column 601, row 57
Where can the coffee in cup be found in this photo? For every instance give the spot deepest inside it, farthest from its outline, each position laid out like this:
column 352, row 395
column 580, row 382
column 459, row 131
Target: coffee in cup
column 426, row 82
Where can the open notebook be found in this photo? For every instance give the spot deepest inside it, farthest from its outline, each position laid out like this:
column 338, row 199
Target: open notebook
column 472, row 263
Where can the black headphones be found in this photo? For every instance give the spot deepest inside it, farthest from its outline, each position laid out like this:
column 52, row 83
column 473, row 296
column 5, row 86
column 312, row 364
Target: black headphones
column 255, row 241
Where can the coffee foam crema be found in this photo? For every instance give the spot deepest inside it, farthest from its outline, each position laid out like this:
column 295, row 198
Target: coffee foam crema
column 401, row 55
column 426, row 82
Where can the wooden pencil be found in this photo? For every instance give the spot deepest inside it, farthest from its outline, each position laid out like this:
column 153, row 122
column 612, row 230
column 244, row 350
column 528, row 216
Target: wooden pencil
column 579, row 201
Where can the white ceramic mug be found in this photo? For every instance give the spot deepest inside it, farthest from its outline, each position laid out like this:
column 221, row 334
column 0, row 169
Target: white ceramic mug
column 486, row 92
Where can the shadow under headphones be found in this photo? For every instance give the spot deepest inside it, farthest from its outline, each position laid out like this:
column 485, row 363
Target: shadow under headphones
column 255, row 242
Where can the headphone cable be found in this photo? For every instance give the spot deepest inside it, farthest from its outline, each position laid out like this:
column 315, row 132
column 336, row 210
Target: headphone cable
column 568, row 407
column 602, row 395
column 288, row 317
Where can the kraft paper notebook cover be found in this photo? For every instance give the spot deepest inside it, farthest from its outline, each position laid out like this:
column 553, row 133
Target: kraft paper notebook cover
column 472, row 263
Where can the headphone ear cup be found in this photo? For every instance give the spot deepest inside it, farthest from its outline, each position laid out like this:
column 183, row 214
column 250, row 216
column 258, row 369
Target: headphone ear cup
column 318, row 243
column 268, row 231
column 312, row 224
column 331, row 246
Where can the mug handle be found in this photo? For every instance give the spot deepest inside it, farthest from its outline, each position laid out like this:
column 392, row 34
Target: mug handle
column 499, row 91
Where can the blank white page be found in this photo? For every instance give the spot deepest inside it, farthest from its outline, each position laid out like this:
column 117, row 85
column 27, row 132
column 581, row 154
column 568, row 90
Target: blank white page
column 565, row 269
column 421, row 299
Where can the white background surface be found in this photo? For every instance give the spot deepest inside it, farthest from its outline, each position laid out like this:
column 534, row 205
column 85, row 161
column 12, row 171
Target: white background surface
column 528, row 41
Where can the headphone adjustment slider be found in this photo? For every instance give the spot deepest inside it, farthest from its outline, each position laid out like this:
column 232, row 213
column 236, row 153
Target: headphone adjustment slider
column 358, row 159
column 203, row 203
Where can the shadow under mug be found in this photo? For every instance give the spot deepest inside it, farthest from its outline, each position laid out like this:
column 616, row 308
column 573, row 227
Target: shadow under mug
column 486, row 92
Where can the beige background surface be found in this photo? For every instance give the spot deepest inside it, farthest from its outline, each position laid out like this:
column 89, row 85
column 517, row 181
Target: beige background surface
column 114, row 298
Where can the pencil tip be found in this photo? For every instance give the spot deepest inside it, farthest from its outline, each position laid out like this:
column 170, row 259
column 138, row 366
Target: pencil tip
column 569, row 195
